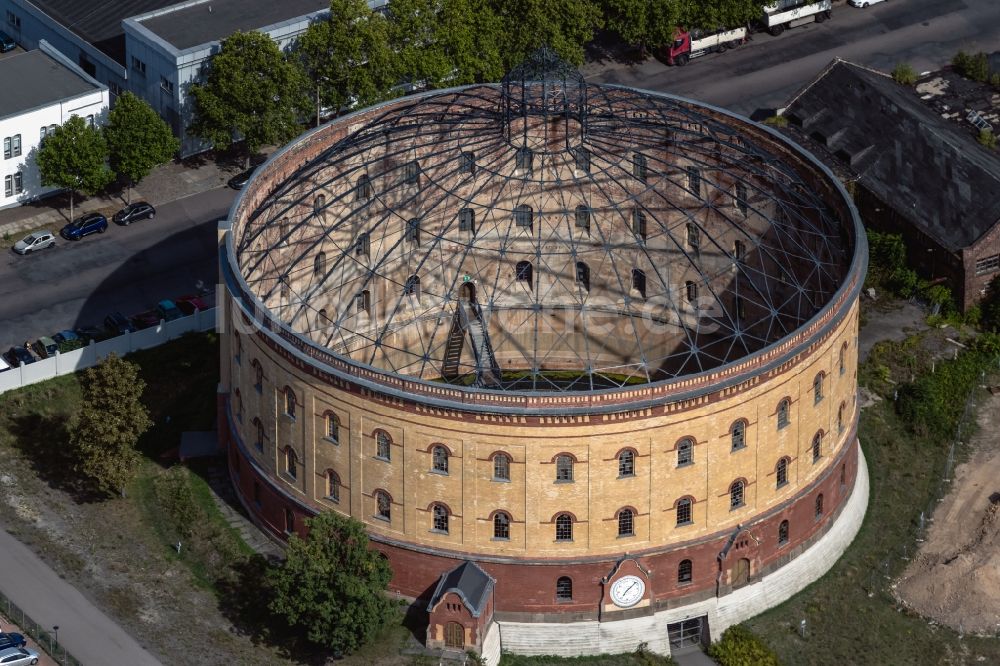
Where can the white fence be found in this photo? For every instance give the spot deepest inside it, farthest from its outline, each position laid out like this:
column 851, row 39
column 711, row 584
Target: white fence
column 78, row 359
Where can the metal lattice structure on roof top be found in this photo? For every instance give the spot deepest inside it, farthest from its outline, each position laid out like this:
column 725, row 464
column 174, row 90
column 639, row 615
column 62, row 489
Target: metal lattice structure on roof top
column 545, row 234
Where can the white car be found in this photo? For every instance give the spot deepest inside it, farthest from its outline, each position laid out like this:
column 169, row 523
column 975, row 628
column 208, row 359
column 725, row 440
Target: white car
column 18, row 657
column 863, row 3
column 36, row 241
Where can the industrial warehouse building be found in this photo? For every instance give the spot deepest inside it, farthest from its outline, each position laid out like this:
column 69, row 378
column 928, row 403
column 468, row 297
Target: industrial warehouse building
column 582, row 358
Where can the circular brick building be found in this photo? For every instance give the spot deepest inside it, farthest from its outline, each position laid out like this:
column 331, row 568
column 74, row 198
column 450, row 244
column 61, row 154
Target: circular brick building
column 581, row 357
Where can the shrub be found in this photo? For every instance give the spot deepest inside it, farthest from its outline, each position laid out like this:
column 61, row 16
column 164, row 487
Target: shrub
column 776, row 121
column 975, row 67
column 987, row 138
column 991, row 306
column 740, row 647
column 904, row 74
column 929, row 405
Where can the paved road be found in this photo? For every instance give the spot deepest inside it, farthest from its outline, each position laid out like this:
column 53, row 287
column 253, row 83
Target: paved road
column 766, row 72
column 90, row 635
column 127, row 269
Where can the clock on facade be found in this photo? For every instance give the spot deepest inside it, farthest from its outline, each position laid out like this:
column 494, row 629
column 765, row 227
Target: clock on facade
column 627, row 591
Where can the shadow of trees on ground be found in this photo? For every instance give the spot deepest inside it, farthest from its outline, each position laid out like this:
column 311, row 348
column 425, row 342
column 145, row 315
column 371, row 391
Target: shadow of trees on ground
column 44, row 441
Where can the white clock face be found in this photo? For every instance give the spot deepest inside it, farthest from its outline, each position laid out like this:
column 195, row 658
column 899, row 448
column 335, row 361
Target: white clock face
column 627, row 591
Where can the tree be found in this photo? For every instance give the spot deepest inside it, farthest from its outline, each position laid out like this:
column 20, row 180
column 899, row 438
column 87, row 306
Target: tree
column 564, row 25
column 347, row 58
column 331, row 585
column 646, row 23
column 447, row 42
column 138, row 139
column 110, row 422
column 250, row 91
column 74, row 157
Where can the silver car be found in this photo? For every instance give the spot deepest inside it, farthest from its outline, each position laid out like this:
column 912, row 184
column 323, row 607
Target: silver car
column 36, row 241
column 18, row 657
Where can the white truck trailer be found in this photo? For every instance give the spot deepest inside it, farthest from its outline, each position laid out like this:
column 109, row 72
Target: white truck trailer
column 792, row 13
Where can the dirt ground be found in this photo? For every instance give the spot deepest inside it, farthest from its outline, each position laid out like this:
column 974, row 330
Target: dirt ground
column 955, row 577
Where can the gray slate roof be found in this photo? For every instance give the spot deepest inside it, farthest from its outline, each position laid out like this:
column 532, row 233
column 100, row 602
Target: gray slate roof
column 99, row 23
column 930, row 170
column 469, row 582
column 195, row 25
column 39, row 80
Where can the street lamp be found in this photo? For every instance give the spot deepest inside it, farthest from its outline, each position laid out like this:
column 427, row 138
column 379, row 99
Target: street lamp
column 55, row 631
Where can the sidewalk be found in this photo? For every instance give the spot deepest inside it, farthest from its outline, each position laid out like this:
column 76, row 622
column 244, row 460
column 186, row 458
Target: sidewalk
column 169, row 182
column 90, row 635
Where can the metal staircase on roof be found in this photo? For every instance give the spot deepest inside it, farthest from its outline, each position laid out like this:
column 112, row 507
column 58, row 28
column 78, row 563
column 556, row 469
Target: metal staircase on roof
column 468, row 321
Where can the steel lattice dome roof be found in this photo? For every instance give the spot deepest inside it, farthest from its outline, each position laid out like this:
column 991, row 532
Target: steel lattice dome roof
column 546, row 233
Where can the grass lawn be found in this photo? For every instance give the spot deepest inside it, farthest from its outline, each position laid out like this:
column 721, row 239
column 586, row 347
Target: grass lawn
column 851, row 616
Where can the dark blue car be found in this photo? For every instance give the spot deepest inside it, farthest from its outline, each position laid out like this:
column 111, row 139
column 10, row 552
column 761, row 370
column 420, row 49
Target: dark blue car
column 6, row 42
column 85, row 225
column 10, row 640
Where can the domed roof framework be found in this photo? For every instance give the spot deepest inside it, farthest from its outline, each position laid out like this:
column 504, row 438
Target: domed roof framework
column 689, row 195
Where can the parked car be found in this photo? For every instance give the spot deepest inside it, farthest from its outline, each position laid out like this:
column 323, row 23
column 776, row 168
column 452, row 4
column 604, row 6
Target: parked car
column 11, row 640
column 188, row 304
column 36, row 241
column 91, row 223
column 146, row 319
column 7, row 42
column 118, row 324
column 862, row 3
column 18, row 657
column 239, row 180
column 68, row 340
column 140, row 210
column 4, row 365
column 88, row 333
column 45, row 347
column 18, row 355
column 168, row 311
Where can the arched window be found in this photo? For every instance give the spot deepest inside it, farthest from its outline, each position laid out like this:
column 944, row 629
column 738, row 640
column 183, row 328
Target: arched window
column 524, row 159
column 842, row 360
column 564, row 589
column 501, row 526
column 781, row 472
column 237, row 346
column 684, row 513
column 467, row 163
column 454, row 636
column 840, row 417
column 626, row 463
column 501, row 467
column 289, row 402
column 582, row 158
column 739, row 250
column 639, row 281
column 843, row 475
column 736, row 495
column 784, row 411
column 333, row 428
column 626, row 522
column 740, row 307
column 363, row 301
column 783, row 533
column 685, row 452
column 819, row 505
column 693, row 236
column 332, row 486
column 741, row 197
column 639, row 223
column 583, row 275
column 818, row 388
column 817, row 446
column 383, row 505
column 319, row 202
column 291, row 462
column 258, row 375
column 583, row 219
column 319, row 264
column 691, row 291
column 412, row 286
column 440, row 458
column 738, row 435
column 639, row 167
column 524, row 216
column 411, row 172
column 694, row 181
column 564, row 527
column 363, row 190
column 383, row 445
column 238, row 402
column 523, row 272
column 684, row 572
column 412, row 234
column 259, row 427
column 363, row 245
column 440, row 518
column 467, row 220
column 564, row 468
column 289, row 521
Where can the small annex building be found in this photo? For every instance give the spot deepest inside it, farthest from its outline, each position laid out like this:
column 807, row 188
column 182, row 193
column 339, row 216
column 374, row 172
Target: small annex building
column 460, row 612
column 910, row 171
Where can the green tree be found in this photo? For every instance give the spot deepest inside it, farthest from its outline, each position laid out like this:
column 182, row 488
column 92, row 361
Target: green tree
column 138, row 139
column 646, row 23
column 741, row 647
column 251, row 91
column 346, row 58
column 111, row 420
column 447, row 42
column 74, row 157
column 331, row 584
column 975, row 67
column 721, row 13
column 564, row 25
